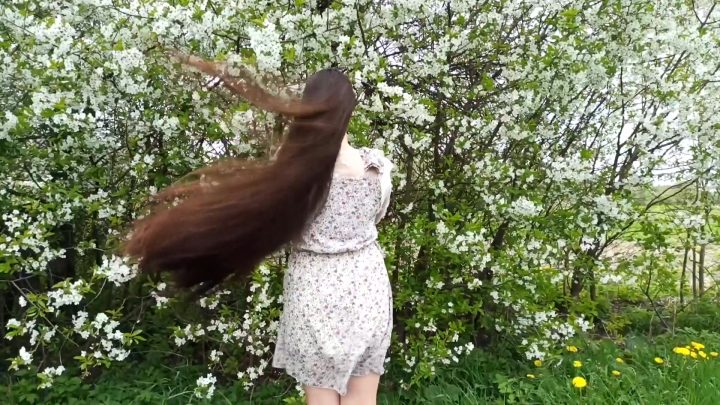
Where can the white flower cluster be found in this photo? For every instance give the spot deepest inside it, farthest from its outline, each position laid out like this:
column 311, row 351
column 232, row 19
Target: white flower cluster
column 550, row 331
column 587, row 243
column 434, row 284
column 24, row 358
column 441, row 348
column 411, row 5
column 610, row 279
column 46, row 376
column 188, row 333
column 128, row 59
column 452, row 355
column 617, row 210
column 211, row 302
column 265, row 42
column 536, row 350
column 524, row 208
column 14, row 220
column 253, row 334
column 112, row 341
column 168, row 125
column 215, row 356
column 571, row 169
column 17, row 328
column 205, row 386
column 116, row 270
column 406, row 107
column 12, row 323
column 583, row 324
column 67, row 294
column 5, row 127
column 469, row 242
column 689, row 221
column 251, row 374
column 160, row 300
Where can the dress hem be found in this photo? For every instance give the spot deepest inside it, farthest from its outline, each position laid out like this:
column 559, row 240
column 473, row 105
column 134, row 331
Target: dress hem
column 341, row 392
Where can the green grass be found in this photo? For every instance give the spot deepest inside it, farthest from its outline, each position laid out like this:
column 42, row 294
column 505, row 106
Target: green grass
column 482, row 378
column 679, row 380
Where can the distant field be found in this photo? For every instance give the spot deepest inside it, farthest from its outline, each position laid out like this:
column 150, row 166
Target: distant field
column 629, row 249
column 663, row 214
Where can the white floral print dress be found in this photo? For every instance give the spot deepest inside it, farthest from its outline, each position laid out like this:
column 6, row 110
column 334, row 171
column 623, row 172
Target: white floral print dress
column 337, row 315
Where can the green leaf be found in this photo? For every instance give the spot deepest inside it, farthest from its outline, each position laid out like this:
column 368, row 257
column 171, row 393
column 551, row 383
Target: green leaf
column 258, row 21
column 487, row 82
column 570, row 13
column 30, row 397
column 60, row 105
column 248, row 56
column 289, row 54
column 5, row 267
column 47, row 113
column 198, row 14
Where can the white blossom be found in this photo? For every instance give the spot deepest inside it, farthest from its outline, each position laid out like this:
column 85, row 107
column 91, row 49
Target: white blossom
column 523, row 207
column 25, row 355
column 205, row 386
column 116, row 270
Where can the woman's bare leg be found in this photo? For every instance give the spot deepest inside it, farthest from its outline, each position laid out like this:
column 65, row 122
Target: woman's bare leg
column 362, row 390
column 321, row 396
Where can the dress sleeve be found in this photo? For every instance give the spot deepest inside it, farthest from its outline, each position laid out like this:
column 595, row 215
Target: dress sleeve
column 386, row 167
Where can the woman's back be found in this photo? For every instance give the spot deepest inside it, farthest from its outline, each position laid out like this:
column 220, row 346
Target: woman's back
column 347, row 220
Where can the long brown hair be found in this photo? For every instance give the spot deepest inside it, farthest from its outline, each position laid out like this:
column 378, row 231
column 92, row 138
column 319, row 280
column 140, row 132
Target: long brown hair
column 236, row 213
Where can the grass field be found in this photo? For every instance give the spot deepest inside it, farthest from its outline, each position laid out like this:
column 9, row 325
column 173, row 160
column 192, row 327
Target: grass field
column 638, row 372
column 632, row 371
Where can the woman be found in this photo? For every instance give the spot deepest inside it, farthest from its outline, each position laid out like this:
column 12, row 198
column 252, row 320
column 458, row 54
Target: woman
column 320, row 196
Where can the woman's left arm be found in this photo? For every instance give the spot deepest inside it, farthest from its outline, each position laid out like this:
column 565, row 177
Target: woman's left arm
column 385, row 187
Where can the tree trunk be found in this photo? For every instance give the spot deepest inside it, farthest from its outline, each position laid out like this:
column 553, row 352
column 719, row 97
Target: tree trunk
column 62, row 268
column 683, row 276
column 576, row 285
column 694, row 273
column 701, row 271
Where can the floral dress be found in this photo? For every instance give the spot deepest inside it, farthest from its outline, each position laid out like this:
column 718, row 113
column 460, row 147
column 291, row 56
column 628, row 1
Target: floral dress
column 337, row 315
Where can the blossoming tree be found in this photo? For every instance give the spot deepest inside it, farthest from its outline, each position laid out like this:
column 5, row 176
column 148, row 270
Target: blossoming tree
column 523, row 133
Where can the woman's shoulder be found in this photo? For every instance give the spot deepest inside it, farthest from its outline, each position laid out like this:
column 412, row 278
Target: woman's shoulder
column 376, row 157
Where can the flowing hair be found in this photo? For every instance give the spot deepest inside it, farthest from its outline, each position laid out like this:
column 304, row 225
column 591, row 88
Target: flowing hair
column 236, row 213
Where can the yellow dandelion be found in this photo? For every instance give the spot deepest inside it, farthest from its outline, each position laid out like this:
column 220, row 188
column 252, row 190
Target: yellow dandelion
column 659, row 360
column 579, row 382
column 714, row 354
column 572, row 349
column 619, row 360
column 683, row 351
column 616, row 373
column 538, row 363
column 577, row 363
column 693, row 355
column 531, row 376
column 697, row 346
column 702, row 354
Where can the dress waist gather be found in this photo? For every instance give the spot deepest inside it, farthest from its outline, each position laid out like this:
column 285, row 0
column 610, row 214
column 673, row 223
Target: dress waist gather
column 336, row 250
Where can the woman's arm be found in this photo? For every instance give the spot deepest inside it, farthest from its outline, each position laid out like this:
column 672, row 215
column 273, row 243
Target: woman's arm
column 385, row 187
